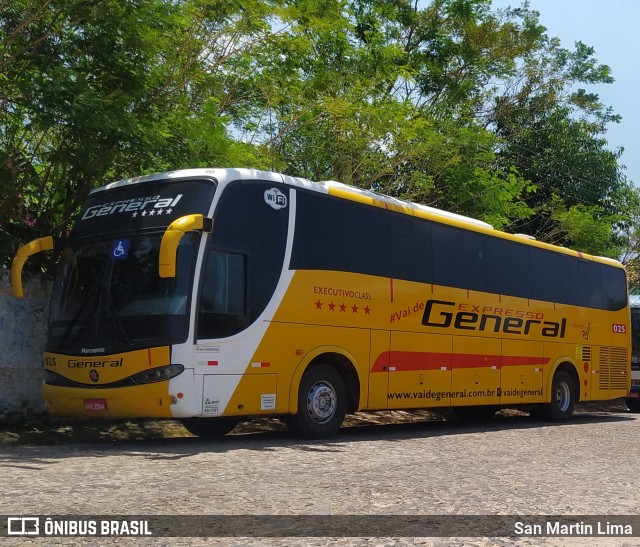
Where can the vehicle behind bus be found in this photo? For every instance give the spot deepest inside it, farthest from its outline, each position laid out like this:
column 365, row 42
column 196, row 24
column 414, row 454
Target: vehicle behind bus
column 633, row 398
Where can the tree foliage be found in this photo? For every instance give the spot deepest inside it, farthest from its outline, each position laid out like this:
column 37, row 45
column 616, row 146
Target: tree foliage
column 445, row 102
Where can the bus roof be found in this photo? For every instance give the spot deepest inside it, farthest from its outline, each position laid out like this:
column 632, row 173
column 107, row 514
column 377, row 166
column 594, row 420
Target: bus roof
column 352, row 193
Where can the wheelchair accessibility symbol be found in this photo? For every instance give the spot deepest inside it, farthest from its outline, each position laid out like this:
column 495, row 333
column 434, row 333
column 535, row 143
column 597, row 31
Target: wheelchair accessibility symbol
column 120, row 249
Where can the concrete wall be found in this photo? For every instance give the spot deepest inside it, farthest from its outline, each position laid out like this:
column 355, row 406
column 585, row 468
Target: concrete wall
column 23, row 323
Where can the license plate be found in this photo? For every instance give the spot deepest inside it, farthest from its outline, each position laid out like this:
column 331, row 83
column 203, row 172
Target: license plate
column 95, row 405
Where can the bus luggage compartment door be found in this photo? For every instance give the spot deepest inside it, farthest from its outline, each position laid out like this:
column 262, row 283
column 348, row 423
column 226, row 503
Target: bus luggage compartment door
column 419, row 370
column 475, row 378
column 239, row 394
column 523, row 366
column 379, row 369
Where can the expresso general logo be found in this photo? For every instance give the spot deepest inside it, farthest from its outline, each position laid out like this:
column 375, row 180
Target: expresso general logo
column 443, row 314
column 143, row 206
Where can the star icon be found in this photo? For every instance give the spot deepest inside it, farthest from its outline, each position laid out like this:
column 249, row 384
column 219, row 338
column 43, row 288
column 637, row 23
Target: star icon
column 342, row 307
column 332, row 306
column 354, row 309
column 318, row 305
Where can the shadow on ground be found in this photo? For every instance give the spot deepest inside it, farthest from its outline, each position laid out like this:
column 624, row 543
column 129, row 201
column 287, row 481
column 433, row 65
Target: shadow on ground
column 44, row 430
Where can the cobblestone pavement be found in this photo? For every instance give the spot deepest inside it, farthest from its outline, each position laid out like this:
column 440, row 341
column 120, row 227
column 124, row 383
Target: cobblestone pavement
column 511, row 465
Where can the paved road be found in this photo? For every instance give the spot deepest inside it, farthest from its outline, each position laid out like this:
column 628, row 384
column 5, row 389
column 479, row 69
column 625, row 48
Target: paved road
column 511, row 465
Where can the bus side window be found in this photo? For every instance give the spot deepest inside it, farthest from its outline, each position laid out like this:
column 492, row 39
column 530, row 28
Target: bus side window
column 458, row 258
column 614, row 288
column 223, row 295
column 506, row 267
column 585, row 288
column 549, row 275
column 252, row 235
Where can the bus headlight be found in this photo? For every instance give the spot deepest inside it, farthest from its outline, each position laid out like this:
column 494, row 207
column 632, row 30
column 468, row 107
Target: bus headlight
column 157, row 374
column 54, row 379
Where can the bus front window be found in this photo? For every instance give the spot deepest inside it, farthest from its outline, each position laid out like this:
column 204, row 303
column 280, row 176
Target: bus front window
column 108, row 295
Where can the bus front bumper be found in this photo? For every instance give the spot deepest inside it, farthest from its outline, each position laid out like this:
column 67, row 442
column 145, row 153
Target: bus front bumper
column 145, row 401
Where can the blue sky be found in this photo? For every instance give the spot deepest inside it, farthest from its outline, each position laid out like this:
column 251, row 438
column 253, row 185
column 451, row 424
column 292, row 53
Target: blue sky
column 612, row 28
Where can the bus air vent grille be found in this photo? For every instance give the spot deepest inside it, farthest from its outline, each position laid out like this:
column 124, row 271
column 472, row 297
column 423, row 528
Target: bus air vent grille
column 613, row 368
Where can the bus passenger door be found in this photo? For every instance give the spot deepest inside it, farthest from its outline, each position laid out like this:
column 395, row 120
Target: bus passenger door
column 522, row 373
column 475, row 379
column 419, row 370
column 379, row 369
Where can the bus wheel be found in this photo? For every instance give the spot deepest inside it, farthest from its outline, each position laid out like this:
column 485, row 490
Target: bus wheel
column 563, row 398
column 210, row 428
column 322, row 403
column 633, row 405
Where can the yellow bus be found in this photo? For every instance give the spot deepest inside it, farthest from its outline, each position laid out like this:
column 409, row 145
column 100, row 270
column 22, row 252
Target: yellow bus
column 213, row 295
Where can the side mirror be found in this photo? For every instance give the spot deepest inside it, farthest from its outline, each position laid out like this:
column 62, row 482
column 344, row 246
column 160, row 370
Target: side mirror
column 24, row 252
column 171, row 240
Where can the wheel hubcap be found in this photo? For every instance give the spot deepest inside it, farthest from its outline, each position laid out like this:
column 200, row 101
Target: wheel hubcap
column 321, row 402
column 563, row 397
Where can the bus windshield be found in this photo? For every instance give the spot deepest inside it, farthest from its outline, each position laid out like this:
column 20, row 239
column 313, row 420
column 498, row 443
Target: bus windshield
column 108, row 296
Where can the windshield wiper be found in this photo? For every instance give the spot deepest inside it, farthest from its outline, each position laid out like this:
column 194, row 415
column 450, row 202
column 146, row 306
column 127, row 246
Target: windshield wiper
column 99, row 303
column 110, row 308
column 94, row 297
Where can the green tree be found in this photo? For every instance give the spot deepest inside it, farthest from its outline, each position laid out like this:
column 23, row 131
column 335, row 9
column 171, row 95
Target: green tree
column 553, row 132
column 443, row 102
column 99, row 90
column 394, row 108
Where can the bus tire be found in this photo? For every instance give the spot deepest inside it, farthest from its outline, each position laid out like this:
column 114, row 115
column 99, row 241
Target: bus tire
column 322, row 403
column 563, row 398
column 633, row 405
column 210, row 428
